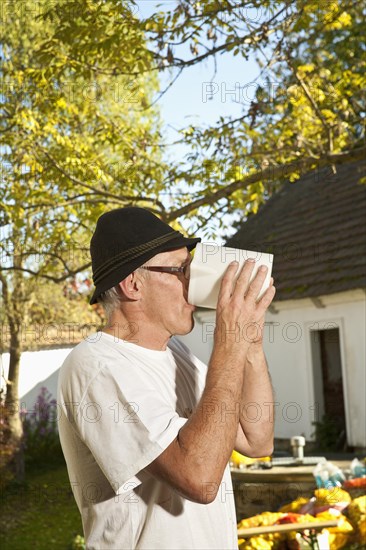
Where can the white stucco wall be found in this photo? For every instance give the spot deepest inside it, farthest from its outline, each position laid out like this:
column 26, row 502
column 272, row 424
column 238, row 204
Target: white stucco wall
column 287, row 343
column 37, row 369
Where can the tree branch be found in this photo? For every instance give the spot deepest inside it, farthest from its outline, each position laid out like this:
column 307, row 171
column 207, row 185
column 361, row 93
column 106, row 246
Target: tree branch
column 119, row 198
column 43, row 206
column 177, row 62
column 48, row 277
column 269, row 173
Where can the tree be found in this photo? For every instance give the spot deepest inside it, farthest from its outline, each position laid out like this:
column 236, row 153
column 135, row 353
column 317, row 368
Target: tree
column 307, row 109
column 72, row 144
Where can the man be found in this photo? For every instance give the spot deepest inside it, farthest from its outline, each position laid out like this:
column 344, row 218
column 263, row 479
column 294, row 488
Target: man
column 146, row 428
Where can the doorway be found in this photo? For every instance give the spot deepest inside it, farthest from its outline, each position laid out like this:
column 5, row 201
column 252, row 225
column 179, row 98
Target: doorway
column 328, row 388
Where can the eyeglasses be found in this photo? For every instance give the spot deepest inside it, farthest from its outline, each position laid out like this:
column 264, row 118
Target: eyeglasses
column 185, row 269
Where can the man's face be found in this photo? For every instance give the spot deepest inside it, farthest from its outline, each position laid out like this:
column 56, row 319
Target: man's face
column 165, row 295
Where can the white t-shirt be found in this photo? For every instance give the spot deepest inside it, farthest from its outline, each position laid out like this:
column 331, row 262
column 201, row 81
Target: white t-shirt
column 121, row 405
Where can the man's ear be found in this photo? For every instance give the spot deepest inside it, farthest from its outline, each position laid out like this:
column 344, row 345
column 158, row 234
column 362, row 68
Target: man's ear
column 131, row 286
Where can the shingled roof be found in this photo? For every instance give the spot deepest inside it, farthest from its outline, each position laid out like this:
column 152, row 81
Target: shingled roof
column 316, row 228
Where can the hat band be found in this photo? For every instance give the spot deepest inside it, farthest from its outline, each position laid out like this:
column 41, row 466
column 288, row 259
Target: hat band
column 128, row 255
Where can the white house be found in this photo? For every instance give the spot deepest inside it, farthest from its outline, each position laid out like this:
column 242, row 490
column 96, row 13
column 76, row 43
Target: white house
column 315, row 331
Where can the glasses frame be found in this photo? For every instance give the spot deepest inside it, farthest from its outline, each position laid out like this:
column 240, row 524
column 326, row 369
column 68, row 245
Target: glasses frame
column 185, row 269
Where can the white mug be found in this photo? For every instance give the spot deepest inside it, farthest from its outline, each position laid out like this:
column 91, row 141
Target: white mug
column 208, row 266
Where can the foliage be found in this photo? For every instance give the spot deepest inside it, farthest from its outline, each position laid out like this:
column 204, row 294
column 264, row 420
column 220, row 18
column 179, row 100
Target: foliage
column 58, row 302
column 41, row 440
column 304, row 110
column 307, row 105
column 70, row 145
column 78, row 543
column 327, row 435
column 59, row 314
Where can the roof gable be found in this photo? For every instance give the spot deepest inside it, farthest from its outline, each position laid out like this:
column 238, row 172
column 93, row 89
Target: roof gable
column 316, row 229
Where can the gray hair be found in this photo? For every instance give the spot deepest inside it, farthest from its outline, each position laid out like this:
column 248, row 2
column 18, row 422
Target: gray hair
column 112, row 298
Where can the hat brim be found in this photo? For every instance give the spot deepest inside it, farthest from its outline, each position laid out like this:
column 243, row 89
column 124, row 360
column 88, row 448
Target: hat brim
column 122, row 271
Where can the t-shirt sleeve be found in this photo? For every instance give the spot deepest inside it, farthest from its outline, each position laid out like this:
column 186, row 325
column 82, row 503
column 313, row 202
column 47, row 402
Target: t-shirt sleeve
column 125, row 433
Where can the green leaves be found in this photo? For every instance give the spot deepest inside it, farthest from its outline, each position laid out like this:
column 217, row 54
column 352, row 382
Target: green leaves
column 91, row 75
column 75, row 141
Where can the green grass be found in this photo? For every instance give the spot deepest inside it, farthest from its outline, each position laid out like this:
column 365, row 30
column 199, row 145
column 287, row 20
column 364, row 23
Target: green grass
column 41, row 514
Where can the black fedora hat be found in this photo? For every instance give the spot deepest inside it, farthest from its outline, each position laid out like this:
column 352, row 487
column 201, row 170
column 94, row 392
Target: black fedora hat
column 124, row 239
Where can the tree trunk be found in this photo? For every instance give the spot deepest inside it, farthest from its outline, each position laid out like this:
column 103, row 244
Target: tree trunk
column 12, row 402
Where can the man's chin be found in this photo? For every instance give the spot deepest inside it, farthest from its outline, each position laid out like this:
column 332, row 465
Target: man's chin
column 186, row 330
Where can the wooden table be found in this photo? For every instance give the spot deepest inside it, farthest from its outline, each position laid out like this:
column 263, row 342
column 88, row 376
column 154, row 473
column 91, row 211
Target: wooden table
column 257, row 491
column 281, row 473
column 285, row 528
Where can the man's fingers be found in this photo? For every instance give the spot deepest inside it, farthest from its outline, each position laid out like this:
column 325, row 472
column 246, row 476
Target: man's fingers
column 242, row 287
column 257, row 283
column 267, row 297
column 227, row 282
column 243, row 279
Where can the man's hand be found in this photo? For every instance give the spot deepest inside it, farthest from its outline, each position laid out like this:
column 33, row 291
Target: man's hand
column 239, row 316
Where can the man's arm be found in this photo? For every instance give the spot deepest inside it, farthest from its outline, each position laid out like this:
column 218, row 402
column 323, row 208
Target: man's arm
column 256, row 424
column 194, row 462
